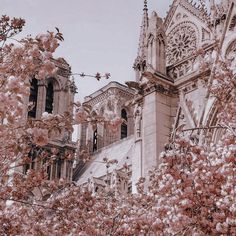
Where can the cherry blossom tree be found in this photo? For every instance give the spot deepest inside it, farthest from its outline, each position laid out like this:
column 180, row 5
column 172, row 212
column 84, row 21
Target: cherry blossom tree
column 22, row 60
column 67, row 209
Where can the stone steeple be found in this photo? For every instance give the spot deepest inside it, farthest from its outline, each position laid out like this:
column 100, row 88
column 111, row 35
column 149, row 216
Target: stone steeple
column 156, row 45
column 140, row 61
column 143, row 32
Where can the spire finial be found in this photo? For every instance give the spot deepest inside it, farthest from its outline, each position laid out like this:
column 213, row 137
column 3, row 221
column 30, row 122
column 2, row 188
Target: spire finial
column 143, row 31
column 145, row 5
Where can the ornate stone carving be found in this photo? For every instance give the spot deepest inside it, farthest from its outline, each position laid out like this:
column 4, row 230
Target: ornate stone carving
column 125, row 94
column 138, row 117
column 182, row 69
column 182, row 42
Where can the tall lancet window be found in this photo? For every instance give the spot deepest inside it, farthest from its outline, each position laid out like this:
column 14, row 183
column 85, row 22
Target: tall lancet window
column 49, row 98
column 33, row 97
column 95, row 140
column 124, row 127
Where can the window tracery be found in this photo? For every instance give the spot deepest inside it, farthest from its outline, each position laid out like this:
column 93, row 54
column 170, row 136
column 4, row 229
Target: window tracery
column 181, row 43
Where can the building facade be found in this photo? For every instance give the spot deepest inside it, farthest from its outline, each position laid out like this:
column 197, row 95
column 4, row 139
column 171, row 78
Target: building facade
column 169, row 93
column 54, row 95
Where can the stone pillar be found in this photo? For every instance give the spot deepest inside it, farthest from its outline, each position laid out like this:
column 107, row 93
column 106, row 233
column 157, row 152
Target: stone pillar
column 150, row 51
column 100, row 132
column 137, row 157
column 130, row 125
column 137, row 73
column 149, row 133
column 163, row 58
column 56, row 101
column 155, row 54
column 89, row 137
column 41, row 99
column 63, row 104
column 157, row 121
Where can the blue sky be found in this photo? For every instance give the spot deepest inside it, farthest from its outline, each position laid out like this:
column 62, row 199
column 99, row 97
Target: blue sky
column 100, row 35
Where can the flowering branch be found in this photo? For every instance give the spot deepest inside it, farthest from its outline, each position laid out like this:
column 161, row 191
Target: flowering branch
column 97, row 76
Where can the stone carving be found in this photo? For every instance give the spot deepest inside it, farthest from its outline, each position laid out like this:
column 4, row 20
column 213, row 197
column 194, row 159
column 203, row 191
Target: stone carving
column 111, row 105
column 182, row 42
column 138, row 117
column 178, row 16
column 230, row 53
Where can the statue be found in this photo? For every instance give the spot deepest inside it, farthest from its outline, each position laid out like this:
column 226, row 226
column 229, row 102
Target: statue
column 138, row 117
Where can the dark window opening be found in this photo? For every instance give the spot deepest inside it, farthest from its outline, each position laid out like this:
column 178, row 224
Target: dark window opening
column 49, row 172
column 49, row 98
column 59, row 166
column 32, row 159
column 130, row 189
column 33, row 97
column 26, row 167
column 53, row 170
column 95, row 140
column 139, row 68
column 124, row 127
column 144, row 66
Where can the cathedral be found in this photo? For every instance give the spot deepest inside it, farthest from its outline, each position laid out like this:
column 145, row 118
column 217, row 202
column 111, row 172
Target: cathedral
column 168, row 94
column 54, row 95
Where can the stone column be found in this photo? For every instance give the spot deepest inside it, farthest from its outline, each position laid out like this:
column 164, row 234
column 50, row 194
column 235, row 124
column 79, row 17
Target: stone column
column 89, row 137
column 155, row 54
column 137, row 157
column 100, row 132
column 149, row 130
column 56, row 101
column 41, row 99
column 156, row 128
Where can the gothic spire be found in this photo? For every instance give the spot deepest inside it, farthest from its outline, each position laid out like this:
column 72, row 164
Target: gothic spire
column 143, row 31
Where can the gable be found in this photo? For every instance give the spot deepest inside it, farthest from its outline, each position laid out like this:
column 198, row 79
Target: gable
column 186, row 31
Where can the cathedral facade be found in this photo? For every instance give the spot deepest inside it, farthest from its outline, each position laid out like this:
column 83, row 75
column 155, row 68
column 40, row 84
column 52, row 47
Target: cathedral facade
column 169, row 94
column 52, row 96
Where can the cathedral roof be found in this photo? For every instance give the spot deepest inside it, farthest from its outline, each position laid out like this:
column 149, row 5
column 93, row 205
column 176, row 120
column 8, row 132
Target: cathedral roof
column 121, row 151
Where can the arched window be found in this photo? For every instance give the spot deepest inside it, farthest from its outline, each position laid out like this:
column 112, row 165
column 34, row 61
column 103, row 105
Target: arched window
column 144, row 66
column 32, row 155
column 124, row 128
column 33, row 97
column 95, row 140
column 49, row 98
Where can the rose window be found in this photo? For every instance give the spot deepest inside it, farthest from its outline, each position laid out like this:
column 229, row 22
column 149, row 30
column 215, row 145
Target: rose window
column 182, row 42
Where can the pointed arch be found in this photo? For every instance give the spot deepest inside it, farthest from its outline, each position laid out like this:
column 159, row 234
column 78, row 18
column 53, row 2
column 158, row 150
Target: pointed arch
column 49, row 98
column 95, row 140
column 33, row 98
column 151, row 51
column 124, row 126
column 212, row 120
column 52, row 96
